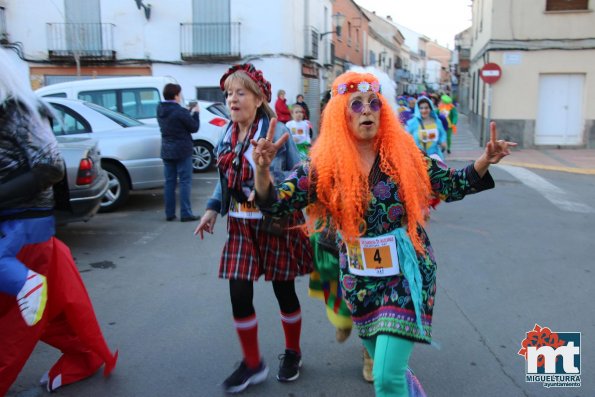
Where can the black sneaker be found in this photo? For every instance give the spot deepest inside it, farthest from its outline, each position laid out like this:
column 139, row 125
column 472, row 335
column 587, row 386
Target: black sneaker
column 289, row 369
column 243, row 377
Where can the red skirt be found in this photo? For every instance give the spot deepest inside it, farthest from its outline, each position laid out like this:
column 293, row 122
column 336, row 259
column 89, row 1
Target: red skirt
column 250, row 252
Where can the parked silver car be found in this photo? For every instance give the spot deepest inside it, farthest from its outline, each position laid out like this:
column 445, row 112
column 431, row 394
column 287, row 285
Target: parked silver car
column 130, row 150
column 78, row 196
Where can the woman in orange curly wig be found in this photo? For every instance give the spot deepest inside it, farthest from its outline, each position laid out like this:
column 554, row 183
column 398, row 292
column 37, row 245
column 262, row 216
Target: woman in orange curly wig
column 369, row 179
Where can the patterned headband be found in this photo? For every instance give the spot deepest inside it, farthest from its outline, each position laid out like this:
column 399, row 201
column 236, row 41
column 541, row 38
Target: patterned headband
column 362, row 86
column 253, row 73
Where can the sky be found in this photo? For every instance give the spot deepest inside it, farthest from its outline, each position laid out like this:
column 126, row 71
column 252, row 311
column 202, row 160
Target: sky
column 439, row 20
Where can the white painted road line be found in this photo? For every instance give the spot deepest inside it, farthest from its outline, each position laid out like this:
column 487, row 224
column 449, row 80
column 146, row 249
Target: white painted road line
column 551, row 192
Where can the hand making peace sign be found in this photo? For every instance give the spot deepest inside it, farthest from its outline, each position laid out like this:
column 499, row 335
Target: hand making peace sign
column 265, row 149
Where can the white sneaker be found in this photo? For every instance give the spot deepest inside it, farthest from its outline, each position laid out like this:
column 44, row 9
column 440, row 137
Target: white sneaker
column 32, row 298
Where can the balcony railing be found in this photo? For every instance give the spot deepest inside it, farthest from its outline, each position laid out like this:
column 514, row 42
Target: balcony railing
column 210, row 41
column 88, row 41
column 312, row 39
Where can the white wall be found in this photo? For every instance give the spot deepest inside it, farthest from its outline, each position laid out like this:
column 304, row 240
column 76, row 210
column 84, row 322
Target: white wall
column 26, row 23
column 433, row 71
column 273, row 40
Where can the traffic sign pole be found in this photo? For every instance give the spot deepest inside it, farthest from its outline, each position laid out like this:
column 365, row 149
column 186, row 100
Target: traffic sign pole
column 489, row 73
column 487, row 123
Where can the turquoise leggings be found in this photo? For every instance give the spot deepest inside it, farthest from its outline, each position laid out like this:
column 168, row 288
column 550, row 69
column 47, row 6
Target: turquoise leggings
column 391, row 357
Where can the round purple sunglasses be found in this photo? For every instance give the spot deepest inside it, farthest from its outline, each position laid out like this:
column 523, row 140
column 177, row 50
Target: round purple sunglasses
column 357, row 106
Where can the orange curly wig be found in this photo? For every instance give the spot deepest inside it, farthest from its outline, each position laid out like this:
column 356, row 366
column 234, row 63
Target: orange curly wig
column 342, row 190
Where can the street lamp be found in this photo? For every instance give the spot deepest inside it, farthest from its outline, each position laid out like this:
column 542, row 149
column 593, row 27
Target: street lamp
column 338, row 20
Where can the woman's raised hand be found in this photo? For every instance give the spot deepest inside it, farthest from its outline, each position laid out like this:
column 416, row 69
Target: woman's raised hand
column 265, row 149
column 497, row 149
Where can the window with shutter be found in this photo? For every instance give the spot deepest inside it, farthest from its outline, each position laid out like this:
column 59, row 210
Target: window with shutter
column 83, row 26
column 566, row 5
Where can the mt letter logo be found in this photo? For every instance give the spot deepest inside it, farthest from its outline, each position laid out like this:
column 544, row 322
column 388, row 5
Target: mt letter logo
column 553, row 358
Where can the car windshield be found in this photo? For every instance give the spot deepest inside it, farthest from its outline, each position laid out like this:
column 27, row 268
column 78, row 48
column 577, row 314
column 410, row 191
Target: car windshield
column 220, row 110
column 116, row 117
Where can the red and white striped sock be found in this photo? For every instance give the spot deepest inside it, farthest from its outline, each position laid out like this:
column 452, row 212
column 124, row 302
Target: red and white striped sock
column 247, row 329
column 292, row 326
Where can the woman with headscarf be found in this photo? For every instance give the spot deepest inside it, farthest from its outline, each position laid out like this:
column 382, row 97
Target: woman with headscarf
column 368, row 178
column 426, row 128
column 256, row 245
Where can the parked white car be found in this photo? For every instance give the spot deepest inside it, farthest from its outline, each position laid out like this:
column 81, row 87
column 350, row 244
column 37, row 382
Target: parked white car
column 138, row 97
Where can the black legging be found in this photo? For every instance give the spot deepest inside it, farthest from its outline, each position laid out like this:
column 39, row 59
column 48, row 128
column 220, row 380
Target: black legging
column 242, row 294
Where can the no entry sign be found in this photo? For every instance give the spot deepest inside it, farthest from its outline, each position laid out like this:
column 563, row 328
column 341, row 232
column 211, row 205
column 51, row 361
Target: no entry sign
column 490, row 73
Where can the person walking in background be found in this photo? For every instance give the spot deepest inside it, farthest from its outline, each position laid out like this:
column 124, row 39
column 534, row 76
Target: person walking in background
column 449, row 111
column 300, row 101
column 256, row 246
column 42, row 296
column 177, row 124
column 403, row 110
column 426, row 128
column 283, row 113
column 369, row 180
column 301, row 130
column 435, row 102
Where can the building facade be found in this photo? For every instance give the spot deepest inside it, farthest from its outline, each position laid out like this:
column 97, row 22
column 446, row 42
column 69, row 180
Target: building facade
column 350, row 40
column 442, row 56
column 193, row 41
column 460, row 68
column 416, row 42
column 546, row 50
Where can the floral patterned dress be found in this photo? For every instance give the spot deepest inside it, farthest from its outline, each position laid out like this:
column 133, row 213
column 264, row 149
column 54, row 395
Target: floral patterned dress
column 383, row 305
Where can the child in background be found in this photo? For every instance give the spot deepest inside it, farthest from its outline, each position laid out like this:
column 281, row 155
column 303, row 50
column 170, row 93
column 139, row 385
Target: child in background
column 300, row 130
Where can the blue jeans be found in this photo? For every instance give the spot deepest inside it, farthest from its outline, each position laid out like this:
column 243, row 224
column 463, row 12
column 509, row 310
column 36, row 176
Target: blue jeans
column 178, row 169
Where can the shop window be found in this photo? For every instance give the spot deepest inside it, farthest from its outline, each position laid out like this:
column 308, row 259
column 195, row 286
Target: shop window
column 566, row 5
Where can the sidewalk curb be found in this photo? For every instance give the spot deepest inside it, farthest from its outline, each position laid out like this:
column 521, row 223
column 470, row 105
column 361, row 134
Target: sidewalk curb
column 571, row 170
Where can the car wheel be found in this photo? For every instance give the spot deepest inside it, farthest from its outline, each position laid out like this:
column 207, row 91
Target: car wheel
column 202, row 157
column 117, row 190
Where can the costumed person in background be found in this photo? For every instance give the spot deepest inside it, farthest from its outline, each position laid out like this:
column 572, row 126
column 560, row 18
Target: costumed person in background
column 369, row 180
column 403, row 110
column 301, row 130
column 255, row 245
column 300, row 101
column 426, row 128
column 42, row 296
column 281, row 108
column 436, row 101
column 411, row 103
column 325, row 285
column 449, row 111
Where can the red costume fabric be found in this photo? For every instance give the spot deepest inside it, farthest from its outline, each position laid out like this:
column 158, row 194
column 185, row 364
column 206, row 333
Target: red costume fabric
column 68, row 323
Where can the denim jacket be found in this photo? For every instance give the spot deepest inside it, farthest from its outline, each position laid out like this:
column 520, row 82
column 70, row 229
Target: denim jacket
column 286, row 159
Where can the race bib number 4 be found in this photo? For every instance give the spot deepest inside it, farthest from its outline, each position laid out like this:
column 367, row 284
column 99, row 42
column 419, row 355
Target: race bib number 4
column 374, row 257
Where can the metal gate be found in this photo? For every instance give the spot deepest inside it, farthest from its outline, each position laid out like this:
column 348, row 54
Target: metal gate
column 312, row 99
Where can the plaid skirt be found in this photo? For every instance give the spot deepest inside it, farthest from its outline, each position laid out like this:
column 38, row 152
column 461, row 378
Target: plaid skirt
column 250, row 252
